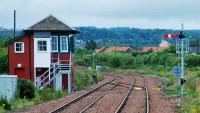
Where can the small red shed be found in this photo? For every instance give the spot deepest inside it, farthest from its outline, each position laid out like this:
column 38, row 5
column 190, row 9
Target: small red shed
column 44, row 53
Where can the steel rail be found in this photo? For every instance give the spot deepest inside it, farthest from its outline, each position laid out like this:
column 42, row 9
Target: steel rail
column 147, row 95
column 120, row 107
column 98, row 98
column 79, row 97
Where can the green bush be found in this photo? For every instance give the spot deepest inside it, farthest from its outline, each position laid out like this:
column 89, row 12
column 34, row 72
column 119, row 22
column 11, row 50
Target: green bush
column 84, row 78
column 126, row 60
column 192, row 60
column 3, row 60
column 6, row 105
column 25, row 89
column 115, row 61
column 102, row 58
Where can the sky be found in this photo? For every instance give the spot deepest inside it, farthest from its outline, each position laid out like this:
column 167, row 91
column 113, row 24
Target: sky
column 145, row 14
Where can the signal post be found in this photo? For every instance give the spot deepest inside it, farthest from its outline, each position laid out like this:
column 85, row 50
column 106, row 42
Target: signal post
column 182, row 48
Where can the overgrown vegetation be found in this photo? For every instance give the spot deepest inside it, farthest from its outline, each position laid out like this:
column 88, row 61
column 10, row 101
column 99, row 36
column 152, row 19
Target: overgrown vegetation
column 125, row 60
column 4, row 55
column 84, row 78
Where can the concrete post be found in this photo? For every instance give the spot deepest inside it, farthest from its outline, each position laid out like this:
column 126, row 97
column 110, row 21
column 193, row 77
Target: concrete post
column 69, row 82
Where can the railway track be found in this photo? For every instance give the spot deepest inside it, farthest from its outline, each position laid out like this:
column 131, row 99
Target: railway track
column 124, row 85
column 88, row 93
column 101, row 91
column 123, row 103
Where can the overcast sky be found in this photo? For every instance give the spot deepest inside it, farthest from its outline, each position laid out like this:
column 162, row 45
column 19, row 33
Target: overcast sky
column 167, row 14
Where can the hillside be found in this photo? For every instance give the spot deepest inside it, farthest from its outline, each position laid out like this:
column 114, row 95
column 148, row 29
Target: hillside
column 119, row 35
column 6, row 33
column 127, row 36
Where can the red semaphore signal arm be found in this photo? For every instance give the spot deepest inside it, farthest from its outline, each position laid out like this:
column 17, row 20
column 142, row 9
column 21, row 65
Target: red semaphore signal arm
column 171, row 36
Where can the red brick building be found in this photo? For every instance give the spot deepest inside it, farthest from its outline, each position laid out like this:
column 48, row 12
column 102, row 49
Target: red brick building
column 44, row 53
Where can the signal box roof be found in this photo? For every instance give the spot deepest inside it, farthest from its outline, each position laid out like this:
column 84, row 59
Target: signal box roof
column 51, row 23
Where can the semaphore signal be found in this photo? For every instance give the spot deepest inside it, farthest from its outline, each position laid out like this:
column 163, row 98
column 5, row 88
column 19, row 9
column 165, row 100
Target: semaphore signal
column 171, row 36
column 182, row 48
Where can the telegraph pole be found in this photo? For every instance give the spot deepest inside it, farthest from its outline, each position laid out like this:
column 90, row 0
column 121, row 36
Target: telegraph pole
column 197, row 46
column 115, row 46
column 14, row 24
column 182, row 63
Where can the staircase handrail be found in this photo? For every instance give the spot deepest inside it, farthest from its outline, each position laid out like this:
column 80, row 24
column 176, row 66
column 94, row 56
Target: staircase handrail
column 44, row 85
column 46, row 71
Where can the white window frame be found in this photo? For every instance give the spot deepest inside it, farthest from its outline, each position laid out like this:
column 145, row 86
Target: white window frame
column 46, row 46
column 66, row 43
column 52, row 46
column 22, row 49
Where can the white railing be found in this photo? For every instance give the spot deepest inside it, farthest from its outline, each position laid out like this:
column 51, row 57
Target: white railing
column 49, row 74
column 44, row 76
column 48, row 82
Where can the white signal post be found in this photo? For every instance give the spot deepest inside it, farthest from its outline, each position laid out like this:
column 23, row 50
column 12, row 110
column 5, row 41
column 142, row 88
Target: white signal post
column 184, row 43
column 182, row 47
column 182, row 64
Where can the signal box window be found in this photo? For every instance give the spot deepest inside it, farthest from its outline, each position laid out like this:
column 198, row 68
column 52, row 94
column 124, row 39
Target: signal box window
column 64, row 44
column 54, row 44
column 19, row 47
column 42, row 46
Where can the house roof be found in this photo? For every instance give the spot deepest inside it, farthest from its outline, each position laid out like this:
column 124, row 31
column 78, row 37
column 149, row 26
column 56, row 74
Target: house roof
column 51, row 23
column 164, row 44
column 101, row 49
column 146, row 49
column 110, row 49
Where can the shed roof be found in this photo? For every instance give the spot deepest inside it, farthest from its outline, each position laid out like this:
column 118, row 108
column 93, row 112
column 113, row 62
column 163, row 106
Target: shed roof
column 51, row 23
column 154, row 49
column 110, row 49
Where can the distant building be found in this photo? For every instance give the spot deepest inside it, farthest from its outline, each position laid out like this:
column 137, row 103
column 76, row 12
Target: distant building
column 80, row 44
column 146, row 49
column 164, row 44
column 111, row 49
column 195, row 50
